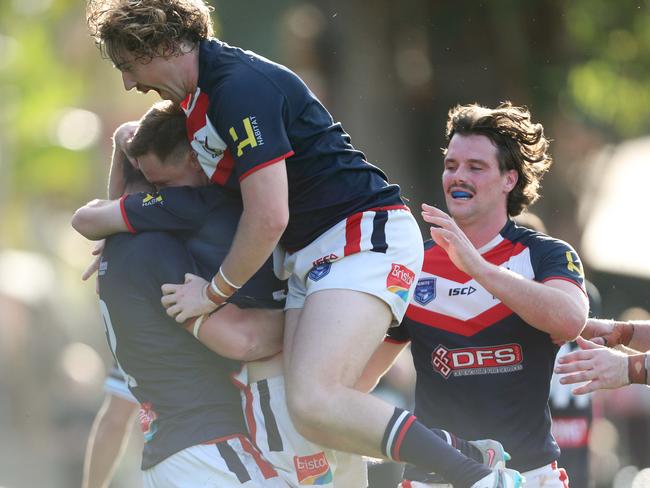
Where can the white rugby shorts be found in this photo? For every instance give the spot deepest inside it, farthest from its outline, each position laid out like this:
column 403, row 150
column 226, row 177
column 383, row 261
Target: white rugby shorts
column 298, row 461
column 227, row 462
column 548, row 476
column 378, row 251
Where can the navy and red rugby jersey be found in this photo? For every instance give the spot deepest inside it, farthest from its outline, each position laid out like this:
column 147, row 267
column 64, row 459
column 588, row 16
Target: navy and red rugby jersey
column 206, row 218
column 249, row 112
column 482, row 372
column 184, row 388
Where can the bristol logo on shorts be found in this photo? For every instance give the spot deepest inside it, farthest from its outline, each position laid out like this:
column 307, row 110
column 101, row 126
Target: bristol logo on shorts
column 148, row 421
column 399, row 280
column 313, row 470
column 319, row 271
column 471, row 361
column 425, row 291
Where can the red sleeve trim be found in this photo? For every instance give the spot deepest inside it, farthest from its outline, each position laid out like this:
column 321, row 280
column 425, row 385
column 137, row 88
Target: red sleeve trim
column 264, row 165
column 395, row 341
column 550, row 278
column 126, row 219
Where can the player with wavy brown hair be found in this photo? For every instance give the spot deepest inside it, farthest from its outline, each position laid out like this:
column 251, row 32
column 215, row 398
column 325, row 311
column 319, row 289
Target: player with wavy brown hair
column 493, row 298
column 521, row 146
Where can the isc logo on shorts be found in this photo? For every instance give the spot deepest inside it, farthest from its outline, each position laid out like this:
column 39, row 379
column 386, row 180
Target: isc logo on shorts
column 313, row 470
column 477, row 360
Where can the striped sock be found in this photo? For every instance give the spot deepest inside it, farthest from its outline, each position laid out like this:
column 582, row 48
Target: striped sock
column 407, row 440
column 395, row 432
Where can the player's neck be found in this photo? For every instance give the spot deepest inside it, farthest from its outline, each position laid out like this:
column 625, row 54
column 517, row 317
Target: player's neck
column 480, row 231
column 189, row 64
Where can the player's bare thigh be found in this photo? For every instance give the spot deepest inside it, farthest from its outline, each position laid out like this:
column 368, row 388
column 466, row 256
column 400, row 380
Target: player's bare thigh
column 334, row 336
column 291, row 318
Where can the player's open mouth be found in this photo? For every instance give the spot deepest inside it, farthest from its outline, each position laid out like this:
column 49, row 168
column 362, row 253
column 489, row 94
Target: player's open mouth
column 461, row 195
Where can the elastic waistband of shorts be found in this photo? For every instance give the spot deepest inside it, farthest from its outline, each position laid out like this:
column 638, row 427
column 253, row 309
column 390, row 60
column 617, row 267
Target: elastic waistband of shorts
column 380, row 209
column 388, row 208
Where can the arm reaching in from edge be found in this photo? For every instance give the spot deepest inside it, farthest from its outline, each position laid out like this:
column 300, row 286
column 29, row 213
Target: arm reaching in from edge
column 601, row 367
column 634, row 333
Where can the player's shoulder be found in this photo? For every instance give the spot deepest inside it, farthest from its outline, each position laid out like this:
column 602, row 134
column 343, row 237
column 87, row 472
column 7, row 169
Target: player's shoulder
column 243, row 73
column 535, row 241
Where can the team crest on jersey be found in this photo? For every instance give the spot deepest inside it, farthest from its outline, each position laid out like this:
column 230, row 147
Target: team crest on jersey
column 399, row 280
column 148, row 421
column 472, row 361
column 213, row 152
column 425, row 291
column 319, row 271
column 152, row 199
column 313, row 470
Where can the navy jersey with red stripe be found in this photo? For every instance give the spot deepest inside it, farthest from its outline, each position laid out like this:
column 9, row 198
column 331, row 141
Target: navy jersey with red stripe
column 206, row 218
column 184, row 388
column 249, row 112
column 482, row 372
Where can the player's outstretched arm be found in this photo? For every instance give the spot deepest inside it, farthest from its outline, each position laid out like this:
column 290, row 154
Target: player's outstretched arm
column 633, row 333
column 98, row 219
column 601, row 368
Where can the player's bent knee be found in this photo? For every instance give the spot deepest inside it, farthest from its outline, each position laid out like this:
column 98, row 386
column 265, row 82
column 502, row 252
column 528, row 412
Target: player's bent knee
column 308, row 411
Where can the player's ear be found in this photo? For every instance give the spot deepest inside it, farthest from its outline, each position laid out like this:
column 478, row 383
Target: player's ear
column 194, row 161
column 511, row 180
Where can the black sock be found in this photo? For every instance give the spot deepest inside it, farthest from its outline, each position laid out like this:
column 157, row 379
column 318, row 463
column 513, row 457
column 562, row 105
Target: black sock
column 461, row 444
column 407, row 440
